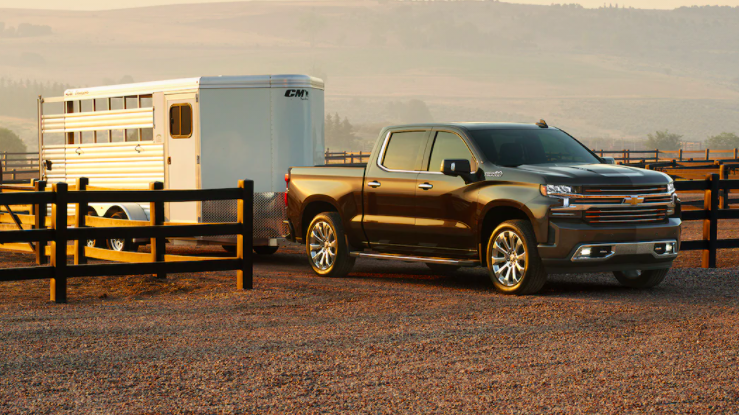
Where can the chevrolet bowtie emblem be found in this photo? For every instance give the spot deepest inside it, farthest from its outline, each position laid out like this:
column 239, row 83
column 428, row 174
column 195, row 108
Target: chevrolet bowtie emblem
column 633, row 201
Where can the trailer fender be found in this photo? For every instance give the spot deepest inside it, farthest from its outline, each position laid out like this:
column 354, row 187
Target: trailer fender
column 134, row 211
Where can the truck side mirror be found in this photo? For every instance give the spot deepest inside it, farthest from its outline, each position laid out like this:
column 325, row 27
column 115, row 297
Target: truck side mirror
column 456, row 167
column 608, row 160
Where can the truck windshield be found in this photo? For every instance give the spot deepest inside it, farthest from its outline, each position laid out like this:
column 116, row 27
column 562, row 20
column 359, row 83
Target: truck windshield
column 512, row 148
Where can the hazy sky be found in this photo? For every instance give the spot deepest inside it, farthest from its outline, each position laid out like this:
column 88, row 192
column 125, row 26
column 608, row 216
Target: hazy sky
column 117, row 4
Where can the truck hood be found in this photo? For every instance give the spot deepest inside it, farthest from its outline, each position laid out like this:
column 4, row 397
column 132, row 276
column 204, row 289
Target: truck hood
column 579, row 174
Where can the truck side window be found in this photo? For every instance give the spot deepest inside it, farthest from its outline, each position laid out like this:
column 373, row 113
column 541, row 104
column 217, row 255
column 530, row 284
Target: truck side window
column 403, row 150
column 180, row 121
column 448, row 146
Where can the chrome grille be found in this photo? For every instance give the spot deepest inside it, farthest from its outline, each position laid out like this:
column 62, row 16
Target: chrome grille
column 626, row 214
column 269, row 214
column 624, row 190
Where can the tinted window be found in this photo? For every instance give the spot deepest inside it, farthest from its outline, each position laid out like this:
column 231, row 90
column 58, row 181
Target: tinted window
column 404, row 149
column 448, row 146
column 180, row 121
column 541, row 146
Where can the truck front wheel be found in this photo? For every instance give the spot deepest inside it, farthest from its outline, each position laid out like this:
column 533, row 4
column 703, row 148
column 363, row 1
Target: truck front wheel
column 325, row 243
column 641, row 279
column 513, row 259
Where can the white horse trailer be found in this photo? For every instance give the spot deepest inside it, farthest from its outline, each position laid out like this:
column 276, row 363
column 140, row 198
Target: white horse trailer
column 197, row 133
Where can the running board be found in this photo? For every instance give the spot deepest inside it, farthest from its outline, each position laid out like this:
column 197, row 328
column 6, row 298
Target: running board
column 433, row 260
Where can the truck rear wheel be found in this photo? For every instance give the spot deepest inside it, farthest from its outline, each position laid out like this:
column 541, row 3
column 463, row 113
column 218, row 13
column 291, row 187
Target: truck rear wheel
column 641, row 279
column 513, row 259
column 325, row 244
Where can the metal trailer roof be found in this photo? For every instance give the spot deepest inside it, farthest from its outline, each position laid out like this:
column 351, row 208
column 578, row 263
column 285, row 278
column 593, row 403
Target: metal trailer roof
column 191, row 84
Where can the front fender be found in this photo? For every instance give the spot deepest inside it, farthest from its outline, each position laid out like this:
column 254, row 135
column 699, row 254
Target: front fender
column 525, row 197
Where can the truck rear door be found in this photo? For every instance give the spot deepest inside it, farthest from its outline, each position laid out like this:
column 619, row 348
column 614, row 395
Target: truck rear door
column 390, row 190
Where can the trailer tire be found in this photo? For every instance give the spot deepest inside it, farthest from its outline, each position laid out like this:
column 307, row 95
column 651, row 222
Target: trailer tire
column 325, row 244
column 641, row 279
column 266, row 250
column 121, row 245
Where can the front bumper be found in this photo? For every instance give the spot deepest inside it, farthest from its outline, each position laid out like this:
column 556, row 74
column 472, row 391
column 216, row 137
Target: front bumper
column 633, row 247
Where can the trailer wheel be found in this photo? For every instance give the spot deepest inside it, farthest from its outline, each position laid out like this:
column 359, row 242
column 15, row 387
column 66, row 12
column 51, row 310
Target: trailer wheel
column 325, row 244
column 121, row 244
column 641, row 279
column 92, row 243
column 266, row 250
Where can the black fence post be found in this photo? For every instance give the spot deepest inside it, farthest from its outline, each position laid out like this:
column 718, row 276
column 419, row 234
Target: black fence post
column 710, row 225
column 156, row 218
column 79, row 222
column 58, row 286
column 245, row 238
column 39, row 213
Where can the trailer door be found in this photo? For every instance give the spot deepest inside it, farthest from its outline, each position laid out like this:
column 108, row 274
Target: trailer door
column 182, row 159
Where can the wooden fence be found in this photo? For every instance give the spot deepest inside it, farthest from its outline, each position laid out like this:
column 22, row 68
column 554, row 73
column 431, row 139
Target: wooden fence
column 346, row 157
column 16, row 168
column 34, row 231
column 715, row 207
column 632, row 156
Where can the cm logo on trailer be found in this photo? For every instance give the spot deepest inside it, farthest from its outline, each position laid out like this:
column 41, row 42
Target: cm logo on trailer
column 297, row 93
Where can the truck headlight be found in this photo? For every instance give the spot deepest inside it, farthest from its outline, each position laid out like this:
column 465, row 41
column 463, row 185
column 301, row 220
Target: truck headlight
column 671, row 187
column 552, row 190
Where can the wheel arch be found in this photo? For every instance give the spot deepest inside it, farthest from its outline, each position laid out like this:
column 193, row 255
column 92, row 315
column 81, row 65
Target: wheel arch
column 313, row 207
column 498, row 212
column 132, row 210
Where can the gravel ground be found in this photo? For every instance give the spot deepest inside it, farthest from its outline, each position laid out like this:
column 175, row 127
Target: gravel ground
column 391, row 338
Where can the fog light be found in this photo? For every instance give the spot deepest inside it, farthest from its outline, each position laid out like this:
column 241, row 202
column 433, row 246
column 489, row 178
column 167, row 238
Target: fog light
column 670, row 248
column 585, row 252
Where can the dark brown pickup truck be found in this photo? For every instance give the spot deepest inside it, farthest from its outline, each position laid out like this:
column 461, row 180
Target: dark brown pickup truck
column 523, row 200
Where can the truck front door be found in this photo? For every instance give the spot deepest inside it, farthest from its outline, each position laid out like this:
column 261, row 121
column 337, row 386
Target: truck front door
column 390, row 190
column 182, row 154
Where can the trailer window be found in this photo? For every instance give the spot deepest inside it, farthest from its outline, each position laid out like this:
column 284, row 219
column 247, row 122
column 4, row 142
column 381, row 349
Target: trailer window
column 180, row 121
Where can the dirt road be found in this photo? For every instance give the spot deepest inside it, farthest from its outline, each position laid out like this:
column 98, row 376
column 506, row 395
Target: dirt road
column 392, row 338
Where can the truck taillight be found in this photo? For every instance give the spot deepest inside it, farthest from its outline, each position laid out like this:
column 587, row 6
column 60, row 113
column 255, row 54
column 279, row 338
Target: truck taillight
column 287, row 185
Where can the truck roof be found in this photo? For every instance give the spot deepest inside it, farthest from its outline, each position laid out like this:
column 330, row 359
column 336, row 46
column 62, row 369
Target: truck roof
column 474, row 125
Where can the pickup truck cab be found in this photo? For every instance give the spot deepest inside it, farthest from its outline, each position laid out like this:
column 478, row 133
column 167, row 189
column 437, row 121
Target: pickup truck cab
column 523, row 200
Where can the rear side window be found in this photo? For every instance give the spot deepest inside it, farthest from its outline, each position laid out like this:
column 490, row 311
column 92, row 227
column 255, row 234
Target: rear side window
column 448, row 146
column 403, row 150
column 180, row 121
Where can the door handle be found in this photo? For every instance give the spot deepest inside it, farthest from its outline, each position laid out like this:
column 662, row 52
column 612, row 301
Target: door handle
column 426, row 186
column 374, row 184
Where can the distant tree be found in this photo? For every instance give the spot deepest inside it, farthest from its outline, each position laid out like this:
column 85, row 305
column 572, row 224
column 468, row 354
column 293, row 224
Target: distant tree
column 339, row 132
column 723, row 141
column 10, row 142
column 664, row 140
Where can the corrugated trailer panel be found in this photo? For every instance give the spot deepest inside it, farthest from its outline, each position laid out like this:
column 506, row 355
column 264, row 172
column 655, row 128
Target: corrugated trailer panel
column 130, row 165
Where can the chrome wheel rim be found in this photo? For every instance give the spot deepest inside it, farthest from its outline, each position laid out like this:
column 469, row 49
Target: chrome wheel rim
column 116, row 244
column 508, row 258
column 322, row 245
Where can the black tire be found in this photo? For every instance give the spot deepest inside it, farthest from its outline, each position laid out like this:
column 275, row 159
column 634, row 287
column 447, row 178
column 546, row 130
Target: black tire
column 442, row 268
column 508, row 281
column 342, row 262
column 266, row 250
column 121, row 244
column 641, row 279
column 93, row 243
column 231, row 249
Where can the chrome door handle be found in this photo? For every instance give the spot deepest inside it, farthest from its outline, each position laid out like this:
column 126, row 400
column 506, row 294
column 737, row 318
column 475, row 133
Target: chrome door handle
column 426, row 186
column 375, row 184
